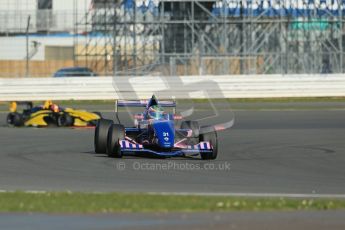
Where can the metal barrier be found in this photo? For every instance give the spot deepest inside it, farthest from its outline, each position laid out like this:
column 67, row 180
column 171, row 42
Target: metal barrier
column 107, row 88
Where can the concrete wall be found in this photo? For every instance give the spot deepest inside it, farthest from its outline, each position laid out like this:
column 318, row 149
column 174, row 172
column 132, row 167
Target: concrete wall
column 227, row 86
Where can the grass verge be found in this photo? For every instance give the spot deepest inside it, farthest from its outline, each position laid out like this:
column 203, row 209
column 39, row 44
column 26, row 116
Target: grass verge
column 64, row 202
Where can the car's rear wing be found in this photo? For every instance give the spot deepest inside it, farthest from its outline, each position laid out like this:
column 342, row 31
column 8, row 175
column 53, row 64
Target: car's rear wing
column 26, row 105
column 142, row 103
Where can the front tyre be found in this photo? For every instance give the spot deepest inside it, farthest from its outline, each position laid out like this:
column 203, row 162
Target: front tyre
column 213, row 139
column 101, row 135
column 116, row 133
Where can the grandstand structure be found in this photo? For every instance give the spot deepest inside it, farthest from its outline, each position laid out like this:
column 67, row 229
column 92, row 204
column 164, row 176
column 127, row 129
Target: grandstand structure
column 199, row 37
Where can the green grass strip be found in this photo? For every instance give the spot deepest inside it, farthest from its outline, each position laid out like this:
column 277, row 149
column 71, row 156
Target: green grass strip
column 64, row 202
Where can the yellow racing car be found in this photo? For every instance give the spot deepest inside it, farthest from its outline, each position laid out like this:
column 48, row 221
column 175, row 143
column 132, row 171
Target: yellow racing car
column 49, row 114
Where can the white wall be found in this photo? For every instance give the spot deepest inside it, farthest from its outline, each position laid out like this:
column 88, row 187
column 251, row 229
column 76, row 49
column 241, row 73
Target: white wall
column 20, row 5
column 69, row 4
column 64, row 11
column 14, row 48
column 14, row 14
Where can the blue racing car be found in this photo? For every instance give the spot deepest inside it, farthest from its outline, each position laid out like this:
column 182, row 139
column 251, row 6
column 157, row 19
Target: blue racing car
column 155, row 132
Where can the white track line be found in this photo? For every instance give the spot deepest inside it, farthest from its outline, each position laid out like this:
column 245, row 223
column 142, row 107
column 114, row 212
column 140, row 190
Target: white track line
column 27, row 191
column 260, row 195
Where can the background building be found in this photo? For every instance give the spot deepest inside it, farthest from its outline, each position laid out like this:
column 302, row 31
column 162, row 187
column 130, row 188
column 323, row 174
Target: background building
column 47, row 16
column 178, row 37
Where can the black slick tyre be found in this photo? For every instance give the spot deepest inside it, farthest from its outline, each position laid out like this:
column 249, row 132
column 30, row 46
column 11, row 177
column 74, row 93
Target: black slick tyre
column 213, row 139
column 101, row 135
column 116, row 133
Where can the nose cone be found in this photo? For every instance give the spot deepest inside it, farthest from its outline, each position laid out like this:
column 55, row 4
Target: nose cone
column 165, row 134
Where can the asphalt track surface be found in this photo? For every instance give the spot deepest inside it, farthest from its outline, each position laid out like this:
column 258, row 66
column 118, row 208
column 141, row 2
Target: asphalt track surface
column 298, row 220
column 271, row 151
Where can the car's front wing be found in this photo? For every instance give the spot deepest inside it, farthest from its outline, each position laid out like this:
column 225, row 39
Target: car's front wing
column 202, row 147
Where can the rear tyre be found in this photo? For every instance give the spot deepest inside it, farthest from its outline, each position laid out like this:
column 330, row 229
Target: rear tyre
column 15, row 119
column 116, row 133
column 101, row 135
column 213, row 139
column 193, row 125
column 65, row 120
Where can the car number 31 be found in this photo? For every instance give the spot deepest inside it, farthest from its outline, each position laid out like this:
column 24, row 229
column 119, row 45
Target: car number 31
column 166, row 136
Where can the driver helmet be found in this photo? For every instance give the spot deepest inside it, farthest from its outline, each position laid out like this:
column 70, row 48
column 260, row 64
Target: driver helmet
column 13, row 107
column 47, row 104
column 54, row 108
column 155, row 112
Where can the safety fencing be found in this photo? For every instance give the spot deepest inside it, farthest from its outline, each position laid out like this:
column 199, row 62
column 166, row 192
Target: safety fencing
column 108, row 88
